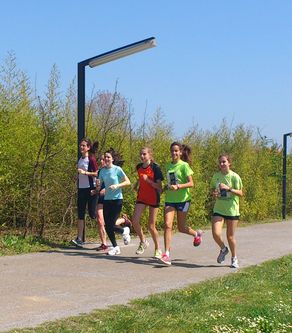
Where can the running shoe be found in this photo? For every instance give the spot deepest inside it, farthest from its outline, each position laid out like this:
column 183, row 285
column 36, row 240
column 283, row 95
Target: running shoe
column 198, row 239
column 157, row 254
column 126, row 236
column 102, row 247
column 114, row 251
column 142, row 247
column 165, row 259
column 77, row 242
column 234, row 262
column 222, row 254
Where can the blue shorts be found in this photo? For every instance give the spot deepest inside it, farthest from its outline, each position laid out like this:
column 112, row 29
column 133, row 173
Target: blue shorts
column 179, row 206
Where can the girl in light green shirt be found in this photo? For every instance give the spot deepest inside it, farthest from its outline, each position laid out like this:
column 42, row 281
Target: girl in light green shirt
column 226, row 189
column 178, row 198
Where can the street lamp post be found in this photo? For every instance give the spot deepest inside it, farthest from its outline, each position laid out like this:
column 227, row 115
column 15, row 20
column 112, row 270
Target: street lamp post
column 97, row 61
column 284, row 178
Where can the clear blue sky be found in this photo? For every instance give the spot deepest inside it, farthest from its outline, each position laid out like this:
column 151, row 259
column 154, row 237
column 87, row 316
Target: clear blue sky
column 214, row 59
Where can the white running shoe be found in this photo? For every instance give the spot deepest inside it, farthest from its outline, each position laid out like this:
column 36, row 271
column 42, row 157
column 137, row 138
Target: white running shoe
column 126, row 236
column 114, row 251
column 234, row 262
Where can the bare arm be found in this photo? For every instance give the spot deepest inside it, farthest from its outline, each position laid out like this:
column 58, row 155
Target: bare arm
column 157, row 185
column 125, row 182
column 190, row 183
column 230, row 189
column 87, row 173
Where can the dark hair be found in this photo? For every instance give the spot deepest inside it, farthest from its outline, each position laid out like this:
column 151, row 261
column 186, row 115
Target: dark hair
column 228, row 157
column 92, row 146
column 185, row 151
column 117, row 157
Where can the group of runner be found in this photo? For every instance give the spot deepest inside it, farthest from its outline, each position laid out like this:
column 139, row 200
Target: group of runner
column 102, row 186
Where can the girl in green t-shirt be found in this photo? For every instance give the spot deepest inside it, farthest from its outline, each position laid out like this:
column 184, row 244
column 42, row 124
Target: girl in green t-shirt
column 177, row 197
column 226, row 189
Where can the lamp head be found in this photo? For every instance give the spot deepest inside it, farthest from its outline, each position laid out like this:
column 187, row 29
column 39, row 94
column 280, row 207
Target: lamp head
column 122, row 52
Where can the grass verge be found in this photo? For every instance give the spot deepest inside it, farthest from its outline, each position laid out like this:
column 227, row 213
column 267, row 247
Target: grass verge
column 254, row 299
column 17, row 244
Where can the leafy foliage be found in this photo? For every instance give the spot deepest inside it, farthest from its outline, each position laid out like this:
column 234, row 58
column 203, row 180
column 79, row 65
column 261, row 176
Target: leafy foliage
column 38, row 155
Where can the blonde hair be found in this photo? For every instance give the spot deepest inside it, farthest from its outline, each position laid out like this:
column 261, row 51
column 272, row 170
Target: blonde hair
column 149, row 151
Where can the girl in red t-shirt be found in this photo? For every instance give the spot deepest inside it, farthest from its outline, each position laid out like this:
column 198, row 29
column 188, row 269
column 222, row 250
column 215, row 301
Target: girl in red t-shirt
column 149, row 188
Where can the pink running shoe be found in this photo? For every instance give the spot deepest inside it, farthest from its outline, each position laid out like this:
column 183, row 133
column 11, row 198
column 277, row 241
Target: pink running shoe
column 198, row 238
column 102, row 247
column 165, row 259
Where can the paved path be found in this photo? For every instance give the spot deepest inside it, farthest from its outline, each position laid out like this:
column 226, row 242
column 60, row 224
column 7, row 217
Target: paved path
column 40, row 287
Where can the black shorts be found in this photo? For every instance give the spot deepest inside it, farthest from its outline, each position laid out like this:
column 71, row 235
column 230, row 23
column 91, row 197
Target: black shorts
column 85, row 199
column 226, row 217
column 146, row 204
column 100, row 199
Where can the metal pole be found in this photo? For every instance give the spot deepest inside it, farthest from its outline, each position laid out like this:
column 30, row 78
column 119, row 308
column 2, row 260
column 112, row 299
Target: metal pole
column 81, row 114
column 284, row 176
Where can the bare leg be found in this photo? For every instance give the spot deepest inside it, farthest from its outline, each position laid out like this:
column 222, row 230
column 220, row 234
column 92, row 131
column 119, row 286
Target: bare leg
column 139, row 209
column 181, row 224
column 151, row 226
column 230, row 233
column 217, row 226
column 100, row 224
column 120, row 221
column 168, row 222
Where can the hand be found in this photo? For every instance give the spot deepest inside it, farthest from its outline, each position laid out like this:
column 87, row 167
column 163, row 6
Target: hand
column 81, row 171
column 114, row 187
column 222, row 186
column 102, row 192
column 93, row 192
column 144, row 177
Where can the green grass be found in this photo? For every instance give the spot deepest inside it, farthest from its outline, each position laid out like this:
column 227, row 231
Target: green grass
column 254, row 299
column 12, row 241
column 16, row 244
